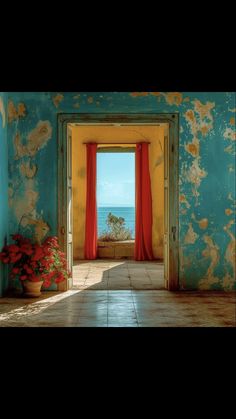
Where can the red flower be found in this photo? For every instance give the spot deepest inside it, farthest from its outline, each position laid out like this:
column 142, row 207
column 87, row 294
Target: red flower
column 28, row 269
column 47, row 283
column 44, row 263
column 27, row 249
column 38, row 253
column 15, row 270
column 23, row 277
column 16, row 257
column 13, row 248
column 33, row 264
column 24, row 240
column 59, row 278
column 51, row 274
column 52, row 241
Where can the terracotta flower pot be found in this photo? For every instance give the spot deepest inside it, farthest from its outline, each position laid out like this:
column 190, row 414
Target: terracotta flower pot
column 32, row 289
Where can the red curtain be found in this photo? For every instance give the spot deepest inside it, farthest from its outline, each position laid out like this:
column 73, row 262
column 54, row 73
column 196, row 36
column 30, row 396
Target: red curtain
column 143, row 223
column 90, row 246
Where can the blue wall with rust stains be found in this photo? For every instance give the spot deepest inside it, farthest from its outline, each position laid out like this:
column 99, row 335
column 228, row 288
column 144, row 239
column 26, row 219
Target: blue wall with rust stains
column 206, row 170
column 3, row 187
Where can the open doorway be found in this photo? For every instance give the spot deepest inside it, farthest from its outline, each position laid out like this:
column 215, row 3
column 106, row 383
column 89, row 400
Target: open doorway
column 99, row 131
column 116, row 202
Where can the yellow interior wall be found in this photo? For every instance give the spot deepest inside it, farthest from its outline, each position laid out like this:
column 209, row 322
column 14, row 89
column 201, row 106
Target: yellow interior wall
column 120, row 135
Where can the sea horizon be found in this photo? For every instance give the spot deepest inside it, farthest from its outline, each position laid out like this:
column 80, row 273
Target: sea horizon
column 115, row 206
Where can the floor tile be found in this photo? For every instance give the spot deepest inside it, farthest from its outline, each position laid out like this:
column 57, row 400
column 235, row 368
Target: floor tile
column 120, row 308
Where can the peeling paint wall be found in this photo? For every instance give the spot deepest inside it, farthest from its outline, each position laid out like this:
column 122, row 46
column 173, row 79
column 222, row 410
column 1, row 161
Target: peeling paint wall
column 206, row 170
column 3, row 187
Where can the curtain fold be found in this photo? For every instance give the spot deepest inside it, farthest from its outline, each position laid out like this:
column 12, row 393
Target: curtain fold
column 143, row 216
column 90, row 245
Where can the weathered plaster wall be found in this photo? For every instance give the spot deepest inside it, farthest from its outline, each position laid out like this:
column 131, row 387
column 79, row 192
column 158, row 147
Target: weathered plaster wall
column 206, row 170
column 3, row 186
column 109, row 135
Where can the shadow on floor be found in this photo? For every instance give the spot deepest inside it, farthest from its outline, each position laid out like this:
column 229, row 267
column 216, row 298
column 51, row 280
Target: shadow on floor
column 102, row 274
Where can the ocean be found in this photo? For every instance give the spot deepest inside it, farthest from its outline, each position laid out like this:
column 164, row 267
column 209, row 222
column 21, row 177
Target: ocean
column 128, row 213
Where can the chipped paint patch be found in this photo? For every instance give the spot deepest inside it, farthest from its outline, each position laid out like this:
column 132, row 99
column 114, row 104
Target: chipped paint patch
column 138, row 94
column 173, row 98
column 195, row 173
column 228, row 282
column 190, row 117
column 232, row 121
column 36, row 140
column 41, row 228
column 232, row 110
column 25, row 205
column 200, row 121
column 20, row 149
column 39, row 136
column 230, row 197
column 230, row 149
column 183, row 200
column 191, row 236
column 2, row 112
column 230, row 253
column 76, row 105
column 28, row 170
column 193, row 148
column 203, row 223
column 90, row 99
column 230, row 134
column 210, row 252
column 228, row 211
column 203, row 120
column 57, row 99
column 14, row 112
column 155, row 93
column 204, row 110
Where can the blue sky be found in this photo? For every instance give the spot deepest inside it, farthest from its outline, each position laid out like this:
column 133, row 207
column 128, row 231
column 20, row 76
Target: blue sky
column 116, row 179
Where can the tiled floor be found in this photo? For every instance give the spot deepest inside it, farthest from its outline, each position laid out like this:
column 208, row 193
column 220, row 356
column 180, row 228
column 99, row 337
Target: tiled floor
column 126, row 308
column 118, row 275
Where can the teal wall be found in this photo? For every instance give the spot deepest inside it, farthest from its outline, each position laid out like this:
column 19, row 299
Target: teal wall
column 206, row 170
column 3, row 186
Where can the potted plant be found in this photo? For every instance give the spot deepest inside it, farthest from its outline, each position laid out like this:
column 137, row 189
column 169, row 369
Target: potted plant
column 116, row 229
column 35, row 264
